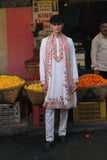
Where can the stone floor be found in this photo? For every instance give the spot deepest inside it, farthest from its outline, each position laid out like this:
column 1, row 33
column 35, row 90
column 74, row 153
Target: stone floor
column 26, row 126
column 87, row 145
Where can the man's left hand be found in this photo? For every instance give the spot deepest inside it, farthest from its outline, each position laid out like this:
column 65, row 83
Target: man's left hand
column 74, row 87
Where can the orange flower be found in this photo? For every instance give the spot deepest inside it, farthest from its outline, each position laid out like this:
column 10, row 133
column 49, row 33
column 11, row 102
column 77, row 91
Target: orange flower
column 90, row 80
column 87, row 135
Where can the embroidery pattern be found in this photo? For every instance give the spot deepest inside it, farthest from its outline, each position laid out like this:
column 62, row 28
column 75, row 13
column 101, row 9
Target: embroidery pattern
column 51, row 51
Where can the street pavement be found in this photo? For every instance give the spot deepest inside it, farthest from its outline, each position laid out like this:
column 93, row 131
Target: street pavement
column 23, row 141
column 86, row 145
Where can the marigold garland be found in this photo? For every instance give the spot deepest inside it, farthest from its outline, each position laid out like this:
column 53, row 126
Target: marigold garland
column 7, row 81
column 35, row 86
column 87, row 80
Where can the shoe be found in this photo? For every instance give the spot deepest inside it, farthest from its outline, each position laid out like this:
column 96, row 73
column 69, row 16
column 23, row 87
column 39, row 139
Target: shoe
column 48, row 146
column 63, row 139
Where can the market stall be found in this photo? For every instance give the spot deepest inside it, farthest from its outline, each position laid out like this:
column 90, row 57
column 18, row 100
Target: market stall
column 91, row 93
column 91, row 103
column 10, row 89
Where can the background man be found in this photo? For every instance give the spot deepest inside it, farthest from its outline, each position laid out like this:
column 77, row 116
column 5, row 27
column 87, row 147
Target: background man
column 99, row 51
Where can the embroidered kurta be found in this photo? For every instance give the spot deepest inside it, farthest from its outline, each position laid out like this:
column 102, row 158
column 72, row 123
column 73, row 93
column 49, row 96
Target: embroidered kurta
column 58, row 95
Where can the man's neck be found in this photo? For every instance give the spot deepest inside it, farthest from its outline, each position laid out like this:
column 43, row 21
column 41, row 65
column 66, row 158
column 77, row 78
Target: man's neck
column 105, row 35
column 57, row 34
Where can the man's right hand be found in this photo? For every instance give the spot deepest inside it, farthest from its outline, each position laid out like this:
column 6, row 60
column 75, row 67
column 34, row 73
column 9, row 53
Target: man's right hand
column 96, row 72
column 44, row 88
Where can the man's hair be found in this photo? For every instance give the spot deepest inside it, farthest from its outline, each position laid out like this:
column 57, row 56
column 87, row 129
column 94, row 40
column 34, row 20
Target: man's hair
column 56, row 19
column 103, row 21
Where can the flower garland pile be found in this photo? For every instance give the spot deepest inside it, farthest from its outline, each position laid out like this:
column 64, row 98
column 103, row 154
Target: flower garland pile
column 7, row 81
column 87, row 80
column 35, row 86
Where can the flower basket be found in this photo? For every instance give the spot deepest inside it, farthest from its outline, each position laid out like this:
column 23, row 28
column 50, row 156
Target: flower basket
column 35, row 96
column 36, row 52
column 92, row 93
column 32, row 67
column 9, row 95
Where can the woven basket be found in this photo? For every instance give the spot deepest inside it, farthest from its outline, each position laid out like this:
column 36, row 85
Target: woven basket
column 9, row 95
column 36, row 97
column 36, row 52
column 32, row 67
column 92, row 93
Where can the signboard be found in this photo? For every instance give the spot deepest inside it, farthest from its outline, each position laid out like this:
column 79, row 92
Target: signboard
column 42, row 11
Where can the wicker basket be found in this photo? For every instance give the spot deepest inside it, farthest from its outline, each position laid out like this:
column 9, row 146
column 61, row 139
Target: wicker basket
column 92, row 93
column 36, row 97
column 32, row 67
column 36, row 52
column 9, row 95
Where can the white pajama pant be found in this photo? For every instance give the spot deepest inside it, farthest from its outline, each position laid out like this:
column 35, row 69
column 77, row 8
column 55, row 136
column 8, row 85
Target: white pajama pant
column 49, row 123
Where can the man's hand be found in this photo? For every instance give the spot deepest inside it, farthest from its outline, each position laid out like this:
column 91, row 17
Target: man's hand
column 96, row 72
column 44, row 88
column 74, row 87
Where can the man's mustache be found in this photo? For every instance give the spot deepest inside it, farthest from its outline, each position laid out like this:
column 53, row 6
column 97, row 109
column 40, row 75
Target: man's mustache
column 105, row 30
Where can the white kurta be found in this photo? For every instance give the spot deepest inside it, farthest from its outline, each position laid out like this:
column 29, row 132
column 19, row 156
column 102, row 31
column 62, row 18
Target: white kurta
column 55, row 89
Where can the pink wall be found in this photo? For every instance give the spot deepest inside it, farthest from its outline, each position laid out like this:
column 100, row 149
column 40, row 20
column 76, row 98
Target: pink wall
column 20, row 40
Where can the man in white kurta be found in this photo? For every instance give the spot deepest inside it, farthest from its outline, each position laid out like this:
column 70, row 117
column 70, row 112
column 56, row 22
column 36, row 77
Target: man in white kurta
column 59, row 78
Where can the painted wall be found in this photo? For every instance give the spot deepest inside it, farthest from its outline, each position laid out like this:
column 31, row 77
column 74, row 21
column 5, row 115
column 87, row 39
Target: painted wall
column 3, row 42
column 17, row 45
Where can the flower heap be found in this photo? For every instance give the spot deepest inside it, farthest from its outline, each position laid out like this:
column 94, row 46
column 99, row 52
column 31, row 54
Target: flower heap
column 91, row 80
column 7, row 81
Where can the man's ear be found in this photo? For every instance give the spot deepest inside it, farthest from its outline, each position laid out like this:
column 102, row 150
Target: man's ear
column 99, row 27
column 51, row 25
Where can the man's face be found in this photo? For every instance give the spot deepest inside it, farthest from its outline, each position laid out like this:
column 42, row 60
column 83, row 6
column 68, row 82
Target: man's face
column 103, row 29
column 57, row 28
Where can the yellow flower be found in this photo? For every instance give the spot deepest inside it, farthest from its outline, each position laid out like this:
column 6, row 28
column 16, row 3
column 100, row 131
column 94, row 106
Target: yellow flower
column 35, row 86
column 7, row 81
